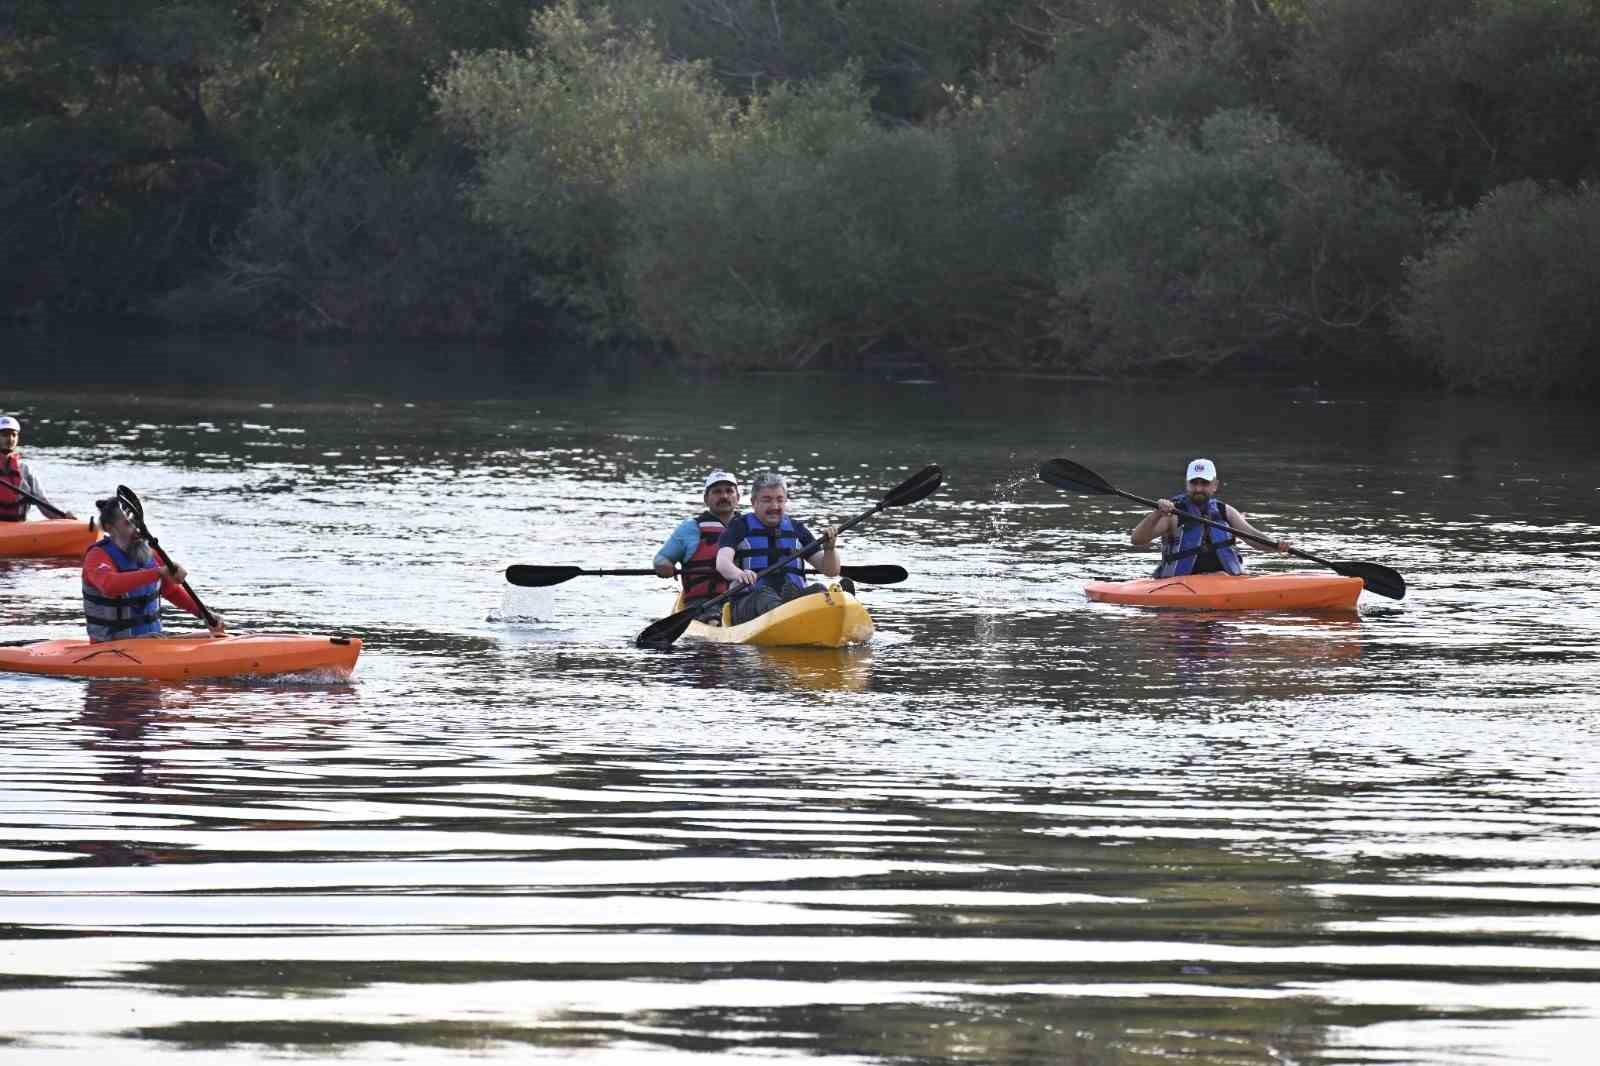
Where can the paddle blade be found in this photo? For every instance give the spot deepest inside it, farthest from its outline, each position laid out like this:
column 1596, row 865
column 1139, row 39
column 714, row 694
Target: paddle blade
column 661, row 634
column 535, row 577
column 874, row 574
column 130, row 500
column 1379, row 580
column 1066, row 474
column 916, row 487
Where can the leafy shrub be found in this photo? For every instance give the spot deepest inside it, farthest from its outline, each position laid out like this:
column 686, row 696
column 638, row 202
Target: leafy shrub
column 1244, row 238
column 561, row 132
column 822, row 232
column 1507, row 296
column 1454, row 97
column 342, row 239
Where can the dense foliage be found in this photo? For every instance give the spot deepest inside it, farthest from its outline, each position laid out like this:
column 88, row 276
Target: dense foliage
column 1088, row 186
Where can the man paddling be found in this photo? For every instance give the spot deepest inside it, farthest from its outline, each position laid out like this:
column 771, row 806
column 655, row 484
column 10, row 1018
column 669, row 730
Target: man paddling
column 1194, row 547
column 752, row 542
column 123, row 585
column 13, row 505
column 691, row 550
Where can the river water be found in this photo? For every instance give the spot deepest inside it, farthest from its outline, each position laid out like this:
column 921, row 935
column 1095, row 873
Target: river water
column 1017, row 827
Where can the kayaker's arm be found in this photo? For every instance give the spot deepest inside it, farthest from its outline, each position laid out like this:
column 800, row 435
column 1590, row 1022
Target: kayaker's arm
column 173, row 592
column 1237, row 521
column 1156, row 524
column 827, row 560
column 685, row 538
column 730, row 570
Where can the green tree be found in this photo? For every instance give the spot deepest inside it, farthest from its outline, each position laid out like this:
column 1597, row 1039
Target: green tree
column 113, row 170
column 1507, row 295
column 1244, row 239
column 819, row 233
column 1454, row 97
column 563, row 129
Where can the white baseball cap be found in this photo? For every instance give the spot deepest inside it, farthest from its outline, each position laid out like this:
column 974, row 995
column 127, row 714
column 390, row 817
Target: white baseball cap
column 720, row 475
column 1202, row 470
column 7, row 422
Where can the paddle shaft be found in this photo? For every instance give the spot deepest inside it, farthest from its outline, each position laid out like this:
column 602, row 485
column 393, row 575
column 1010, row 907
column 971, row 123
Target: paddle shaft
column 50, row 510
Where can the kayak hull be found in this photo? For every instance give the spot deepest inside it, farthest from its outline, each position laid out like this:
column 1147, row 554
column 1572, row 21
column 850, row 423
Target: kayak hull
column 186, row 658
column 832, row 618
column 46, row 539
column 1227, row 592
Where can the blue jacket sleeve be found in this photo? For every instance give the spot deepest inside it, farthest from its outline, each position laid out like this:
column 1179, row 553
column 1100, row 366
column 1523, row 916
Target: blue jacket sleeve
column 681, row 544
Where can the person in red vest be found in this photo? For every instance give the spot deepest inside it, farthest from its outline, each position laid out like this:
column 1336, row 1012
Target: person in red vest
column 13, row 505
column 691, row 551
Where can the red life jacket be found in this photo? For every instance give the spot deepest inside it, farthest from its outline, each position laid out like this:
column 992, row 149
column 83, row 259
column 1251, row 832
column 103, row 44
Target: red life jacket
column 699, row 573
column 13, row 508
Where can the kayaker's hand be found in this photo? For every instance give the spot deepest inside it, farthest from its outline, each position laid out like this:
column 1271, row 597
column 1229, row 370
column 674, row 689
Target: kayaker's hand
column 177, row 573
column 746, row 577
column 1165, row 507
column 830, row 538
column 216, row 626
column 1283, row 547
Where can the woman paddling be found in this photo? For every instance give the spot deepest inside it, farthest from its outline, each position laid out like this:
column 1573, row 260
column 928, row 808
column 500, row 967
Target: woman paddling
column 123, row 585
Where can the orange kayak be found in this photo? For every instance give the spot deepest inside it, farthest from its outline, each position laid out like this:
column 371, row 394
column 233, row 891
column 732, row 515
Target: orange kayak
column 46, row 539
column 185, row 658
column 1227, row 592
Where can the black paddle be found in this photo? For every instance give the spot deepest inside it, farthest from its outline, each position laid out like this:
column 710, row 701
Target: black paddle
column 50, row 510
column 1068, row 475
column 918, row 486
column 534, row 577
column 130, row 500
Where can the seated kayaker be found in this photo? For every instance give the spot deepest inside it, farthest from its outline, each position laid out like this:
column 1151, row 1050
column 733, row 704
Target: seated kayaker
column 13, row 505
column 123, row 583
column 1194, row 547
column 754, row 541
column 691, row 551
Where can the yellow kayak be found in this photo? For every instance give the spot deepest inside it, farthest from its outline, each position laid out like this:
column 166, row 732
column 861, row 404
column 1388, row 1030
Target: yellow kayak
column 831, row 618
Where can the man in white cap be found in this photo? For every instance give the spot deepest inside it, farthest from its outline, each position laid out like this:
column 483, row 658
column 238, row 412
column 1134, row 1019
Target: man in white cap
column 691, row 551
column 1194, row 547
column 13, row 505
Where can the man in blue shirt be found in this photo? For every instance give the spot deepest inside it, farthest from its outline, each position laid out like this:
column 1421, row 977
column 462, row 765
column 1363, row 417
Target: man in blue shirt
column 755, row 541
column 691, row 551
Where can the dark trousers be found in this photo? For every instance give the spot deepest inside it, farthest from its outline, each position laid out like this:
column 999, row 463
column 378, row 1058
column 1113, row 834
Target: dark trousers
column 765, row 598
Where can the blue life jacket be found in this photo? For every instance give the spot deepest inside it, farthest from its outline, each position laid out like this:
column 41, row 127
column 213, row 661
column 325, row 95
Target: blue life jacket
column 135, row 614
column 1196, row 540
column 760, row 549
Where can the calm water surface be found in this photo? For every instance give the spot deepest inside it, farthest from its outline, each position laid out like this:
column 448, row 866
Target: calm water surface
column 1017, row 827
